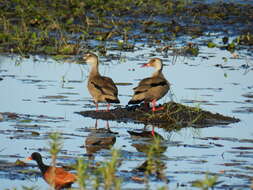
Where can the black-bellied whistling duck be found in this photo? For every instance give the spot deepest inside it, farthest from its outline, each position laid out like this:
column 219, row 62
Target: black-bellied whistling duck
column 153, row 88
column 54, row 176
column 101, row 88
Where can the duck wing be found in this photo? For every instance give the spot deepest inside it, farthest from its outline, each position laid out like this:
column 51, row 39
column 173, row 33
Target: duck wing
column 149, row 83
column 105, row 85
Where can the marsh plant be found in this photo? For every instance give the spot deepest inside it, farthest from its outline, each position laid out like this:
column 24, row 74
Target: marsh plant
column 108, row 171
column 55, row 144
column 66, row 26
column 82, row 173
column 207, row 183
column 103, row 177
column 154, row 164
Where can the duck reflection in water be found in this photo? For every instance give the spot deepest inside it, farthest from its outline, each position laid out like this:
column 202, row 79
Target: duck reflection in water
column 144, row 139
column 153, row 146
column 99, row 138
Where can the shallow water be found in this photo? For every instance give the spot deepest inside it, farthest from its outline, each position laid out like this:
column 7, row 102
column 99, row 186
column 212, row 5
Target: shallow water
column 46, row 94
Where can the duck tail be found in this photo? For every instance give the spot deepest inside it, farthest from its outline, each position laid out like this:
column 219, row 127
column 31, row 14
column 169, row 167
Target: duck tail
column 112, row 100
column 135, row 101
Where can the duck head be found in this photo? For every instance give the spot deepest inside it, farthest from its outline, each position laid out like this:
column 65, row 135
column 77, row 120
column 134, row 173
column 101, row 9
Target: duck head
column 35, row 156
column 155, row 62
column 90, row 58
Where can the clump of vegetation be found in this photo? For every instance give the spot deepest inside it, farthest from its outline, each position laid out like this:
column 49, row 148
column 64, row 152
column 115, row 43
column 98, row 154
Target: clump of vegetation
column 66, row 27
column 154, row 163
column 82, row 173
column 206, row 183
column 246, row 39
column 108, row 172
column 153, row 166
column 211, row 44
column 55, row 144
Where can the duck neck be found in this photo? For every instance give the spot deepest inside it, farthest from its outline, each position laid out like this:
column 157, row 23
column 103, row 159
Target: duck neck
column 94, row 70
column 43, row 168
column 157, row 72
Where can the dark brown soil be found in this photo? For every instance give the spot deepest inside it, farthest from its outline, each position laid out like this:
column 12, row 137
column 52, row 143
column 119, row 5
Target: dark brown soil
column 173, row 116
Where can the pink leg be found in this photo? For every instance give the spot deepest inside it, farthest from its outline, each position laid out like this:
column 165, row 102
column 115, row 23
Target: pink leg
column 154, row 106
column 153, row 131
column 96, row 107
column 108, row 108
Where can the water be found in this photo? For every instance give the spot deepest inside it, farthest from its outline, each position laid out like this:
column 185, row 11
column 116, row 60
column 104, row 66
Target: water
column 46, row 94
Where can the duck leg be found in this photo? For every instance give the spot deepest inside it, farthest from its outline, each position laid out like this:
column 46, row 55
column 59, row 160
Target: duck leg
column 96, row 106
column 153, row 131
column 108, row 107
column 154, row 106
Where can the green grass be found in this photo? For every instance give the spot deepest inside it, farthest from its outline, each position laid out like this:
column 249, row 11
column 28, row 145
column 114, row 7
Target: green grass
column 62, row 26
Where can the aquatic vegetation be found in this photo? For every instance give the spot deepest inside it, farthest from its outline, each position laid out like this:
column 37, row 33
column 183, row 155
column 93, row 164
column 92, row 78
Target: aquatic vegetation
column 108, row 171
column 55, row 147
column 245, row 39
column 206, row 183
column 154, row 164
column 55, row 144
column 82, row 176
column 211, row 44
column 62, row 27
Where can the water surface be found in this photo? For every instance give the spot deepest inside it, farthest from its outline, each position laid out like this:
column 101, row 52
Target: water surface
column 46, row 94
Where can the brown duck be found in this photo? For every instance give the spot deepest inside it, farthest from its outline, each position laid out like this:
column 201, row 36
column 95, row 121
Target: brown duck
column 153, row 88
column 101, row 88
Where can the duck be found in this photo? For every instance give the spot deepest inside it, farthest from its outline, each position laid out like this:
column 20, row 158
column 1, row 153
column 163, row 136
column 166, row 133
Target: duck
column 101, row 88
column 61, row 178
column 151, row 89
column 99, row 139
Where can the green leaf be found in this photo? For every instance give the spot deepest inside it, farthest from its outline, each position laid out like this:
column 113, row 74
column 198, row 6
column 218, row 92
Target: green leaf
column 70, row 21
column 211, row 45
column 225, row 59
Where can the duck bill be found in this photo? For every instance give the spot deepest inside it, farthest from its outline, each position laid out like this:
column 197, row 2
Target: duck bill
column 28, row 158
column 145, row 65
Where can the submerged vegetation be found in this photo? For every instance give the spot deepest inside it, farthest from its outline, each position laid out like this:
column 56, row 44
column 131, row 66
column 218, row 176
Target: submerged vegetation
column 68, row 27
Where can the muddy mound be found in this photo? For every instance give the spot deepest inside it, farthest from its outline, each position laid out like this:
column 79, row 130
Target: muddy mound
column 173, row 116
